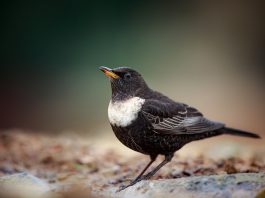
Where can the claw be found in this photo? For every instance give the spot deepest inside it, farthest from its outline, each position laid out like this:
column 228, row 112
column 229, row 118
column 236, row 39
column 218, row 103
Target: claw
column 122, row 188
column 132, row 183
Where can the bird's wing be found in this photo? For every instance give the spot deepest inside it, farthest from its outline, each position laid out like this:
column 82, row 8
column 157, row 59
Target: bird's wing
column 176, row 118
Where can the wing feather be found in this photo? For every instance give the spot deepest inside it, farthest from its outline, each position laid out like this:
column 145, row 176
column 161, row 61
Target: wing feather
column 177, row 118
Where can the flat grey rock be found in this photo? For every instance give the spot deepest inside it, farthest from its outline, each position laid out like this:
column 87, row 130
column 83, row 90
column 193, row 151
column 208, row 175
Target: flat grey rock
column 24, row 185
column 234, row 185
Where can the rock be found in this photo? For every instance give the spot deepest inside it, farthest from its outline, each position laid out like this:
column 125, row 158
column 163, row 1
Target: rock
column 22, row 185
column 235, row 185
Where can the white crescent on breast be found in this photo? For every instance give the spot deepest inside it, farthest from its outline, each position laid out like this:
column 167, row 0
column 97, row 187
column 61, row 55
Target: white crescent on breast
column 123, row 113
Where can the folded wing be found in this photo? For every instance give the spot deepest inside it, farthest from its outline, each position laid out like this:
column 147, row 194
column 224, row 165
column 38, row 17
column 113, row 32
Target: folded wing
column 177, row 118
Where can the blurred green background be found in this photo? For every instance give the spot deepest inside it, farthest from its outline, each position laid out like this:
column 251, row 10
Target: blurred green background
column 204, row 53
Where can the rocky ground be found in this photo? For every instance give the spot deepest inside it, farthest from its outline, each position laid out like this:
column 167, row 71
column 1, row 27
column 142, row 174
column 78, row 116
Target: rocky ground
column 37, row 165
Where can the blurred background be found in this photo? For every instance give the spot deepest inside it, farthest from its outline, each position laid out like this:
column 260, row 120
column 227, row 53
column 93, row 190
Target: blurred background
column 204, row 53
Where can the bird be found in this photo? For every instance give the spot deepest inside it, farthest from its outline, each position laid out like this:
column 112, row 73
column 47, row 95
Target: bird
column 151, row 123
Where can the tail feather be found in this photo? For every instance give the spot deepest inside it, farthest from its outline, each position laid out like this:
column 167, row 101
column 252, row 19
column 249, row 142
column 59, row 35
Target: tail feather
column 238, row 132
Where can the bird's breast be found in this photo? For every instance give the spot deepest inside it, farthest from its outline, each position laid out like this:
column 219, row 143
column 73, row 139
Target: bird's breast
column 123, row 113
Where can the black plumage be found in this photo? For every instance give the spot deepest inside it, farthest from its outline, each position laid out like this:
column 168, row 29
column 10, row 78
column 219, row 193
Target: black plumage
column 161, row 126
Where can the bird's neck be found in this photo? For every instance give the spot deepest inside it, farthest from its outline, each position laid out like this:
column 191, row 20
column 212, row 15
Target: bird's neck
column 118, row 96
column 141, row 93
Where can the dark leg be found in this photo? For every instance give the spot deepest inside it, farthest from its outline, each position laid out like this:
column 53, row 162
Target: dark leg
column 138, row 178
column 164, row 162
column 151, row 173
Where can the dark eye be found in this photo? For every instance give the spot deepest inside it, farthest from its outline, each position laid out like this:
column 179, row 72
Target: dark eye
column 127, row 76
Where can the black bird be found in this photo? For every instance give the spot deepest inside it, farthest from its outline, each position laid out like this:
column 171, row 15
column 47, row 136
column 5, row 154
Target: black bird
column 151, row 123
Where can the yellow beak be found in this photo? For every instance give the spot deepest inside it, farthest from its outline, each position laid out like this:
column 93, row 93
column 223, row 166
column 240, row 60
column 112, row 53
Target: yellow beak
column 107, row 71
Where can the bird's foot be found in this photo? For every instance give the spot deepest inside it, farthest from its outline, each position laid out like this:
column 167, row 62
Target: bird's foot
column 122, row 188
column 144, row 177
column 130, row 184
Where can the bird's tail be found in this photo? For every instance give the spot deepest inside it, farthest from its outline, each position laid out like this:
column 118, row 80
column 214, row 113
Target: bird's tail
column 238, row 132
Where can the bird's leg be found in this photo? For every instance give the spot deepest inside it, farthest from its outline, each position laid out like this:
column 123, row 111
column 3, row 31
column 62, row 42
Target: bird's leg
column 139, row 177
column 164, row 162
column 153, row 158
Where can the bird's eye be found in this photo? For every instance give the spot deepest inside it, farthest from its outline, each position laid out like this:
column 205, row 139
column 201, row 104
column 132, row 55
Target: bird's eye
column 127, row 76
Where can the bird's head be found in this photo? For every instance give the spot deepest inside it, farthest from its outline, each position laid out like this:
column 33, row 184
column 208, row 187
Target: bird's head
column 125, row 82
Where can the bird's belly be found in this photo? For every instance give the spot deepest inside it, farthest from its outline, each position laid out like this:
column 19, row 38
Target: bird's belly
column 130, row 138
column 146, row 141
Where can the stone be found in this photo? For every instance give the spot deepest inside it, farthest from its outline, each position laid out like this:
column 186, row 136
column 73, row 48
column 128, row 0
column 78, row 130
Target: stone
column 235, row 185
column 23, row 185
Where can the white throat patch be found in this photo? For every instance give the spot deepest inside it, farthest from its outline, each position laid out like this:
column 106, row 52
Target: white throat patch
column 123, row 113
